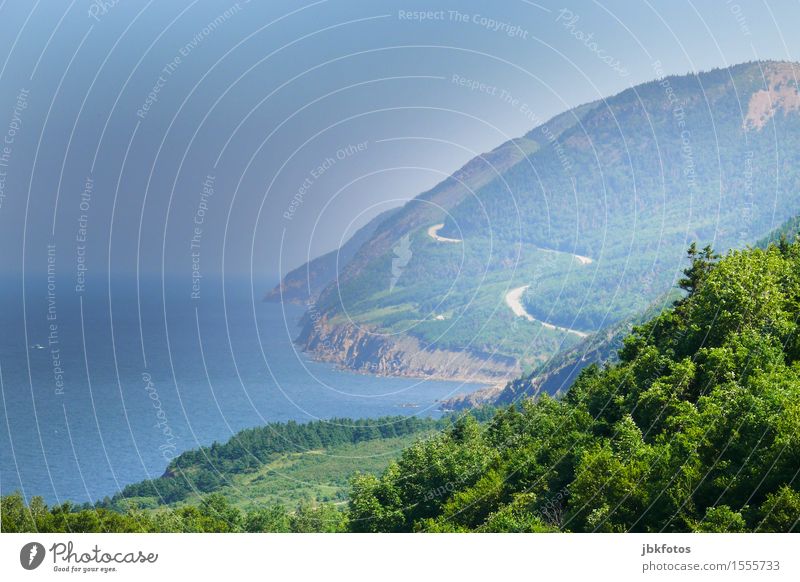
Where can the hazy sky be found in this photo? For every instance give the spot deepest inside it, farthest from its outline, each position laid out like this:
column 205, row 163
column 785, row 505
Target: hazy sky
column 269, row 131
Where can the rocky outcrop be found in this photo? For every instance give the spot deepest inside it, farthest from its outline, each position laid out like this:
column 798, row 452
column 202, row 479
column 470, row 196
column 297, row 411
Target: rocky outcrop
column 780, row 94
column 365, row 350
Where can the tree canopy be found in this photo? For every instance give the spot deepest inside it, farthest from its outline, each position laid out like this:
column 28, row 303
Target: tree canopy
column 695, row 428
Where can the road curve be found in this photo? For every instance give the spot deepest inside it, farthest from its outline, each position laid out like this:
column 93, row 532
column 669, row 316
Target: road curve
column 514, row 301
column 433, row 233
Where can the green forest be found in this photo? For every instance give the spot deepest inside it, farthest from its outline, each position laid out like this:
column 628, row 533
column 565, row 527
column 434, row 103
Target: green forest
column 695, row 427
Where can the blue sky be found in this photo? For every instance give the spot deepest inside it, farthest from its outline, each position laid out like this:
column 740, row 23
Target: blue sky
column 278, row 128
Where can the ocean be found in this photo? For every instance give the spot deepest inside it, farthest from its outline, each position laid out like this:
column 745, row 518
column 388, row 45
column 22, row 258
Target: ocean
column 100, row 388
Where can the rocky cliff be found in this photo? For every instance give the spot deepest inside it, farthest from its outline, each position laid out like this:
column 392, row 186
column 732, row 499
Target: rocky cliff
column 366, row 350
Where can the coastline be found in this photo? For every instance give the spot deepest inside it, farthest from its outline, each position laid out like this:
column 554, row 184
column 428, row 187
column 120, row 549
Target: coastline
column 403, row 356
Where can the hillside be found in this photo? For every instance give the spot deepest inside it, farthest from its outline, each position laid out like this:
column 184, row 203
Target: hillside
column 694, row 429
column 788, row 231
column 584, row 220
column 556, row 375
column 259, row 464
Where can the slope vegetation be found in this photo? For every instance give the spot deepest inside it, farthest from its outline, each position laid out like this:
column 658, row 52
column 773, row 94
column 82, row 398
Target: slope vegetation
column 694, row 429
column 623, row 185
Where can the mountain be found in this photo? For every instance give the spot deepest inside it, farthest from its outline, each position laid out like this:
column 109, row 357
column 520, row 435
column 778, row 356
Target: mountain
column 573, row 228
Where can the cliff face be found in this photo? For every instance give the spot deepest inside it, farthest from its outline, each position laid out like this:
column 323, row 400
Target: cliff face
column 365, row 350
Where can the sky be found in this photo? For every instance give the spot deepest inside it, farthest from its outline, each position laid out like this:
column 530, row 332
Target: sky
column 184, row 137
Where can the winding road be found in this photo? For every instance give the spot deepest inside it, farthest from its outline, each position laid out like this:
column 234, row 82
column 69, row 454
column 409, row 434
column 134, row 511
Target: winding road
column 514, row 297
column 580, row 258
column 433, row 233
column 514, row 301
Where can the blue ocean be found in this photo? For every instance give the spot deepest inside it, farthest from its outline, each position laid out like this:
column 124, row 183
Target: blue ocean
column 100, row 388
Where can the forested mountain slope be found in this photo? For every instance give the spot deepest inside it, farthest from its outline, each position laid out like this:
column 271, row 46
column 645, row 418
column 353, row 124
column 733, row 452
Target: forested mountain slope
column 696, row 428
column 575, row 227
column 558, row 374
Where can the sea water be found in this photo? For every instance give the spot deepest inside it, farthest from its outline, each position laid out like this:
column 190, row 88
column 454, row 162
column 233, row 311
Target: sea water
column 101, row 388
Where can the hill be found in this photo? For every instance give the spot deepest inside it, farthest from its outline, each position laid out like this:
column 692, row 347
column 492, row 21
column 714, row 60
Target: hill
column 788, row 232
column 574, row 228
column 695, row 428
column 556, row 375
